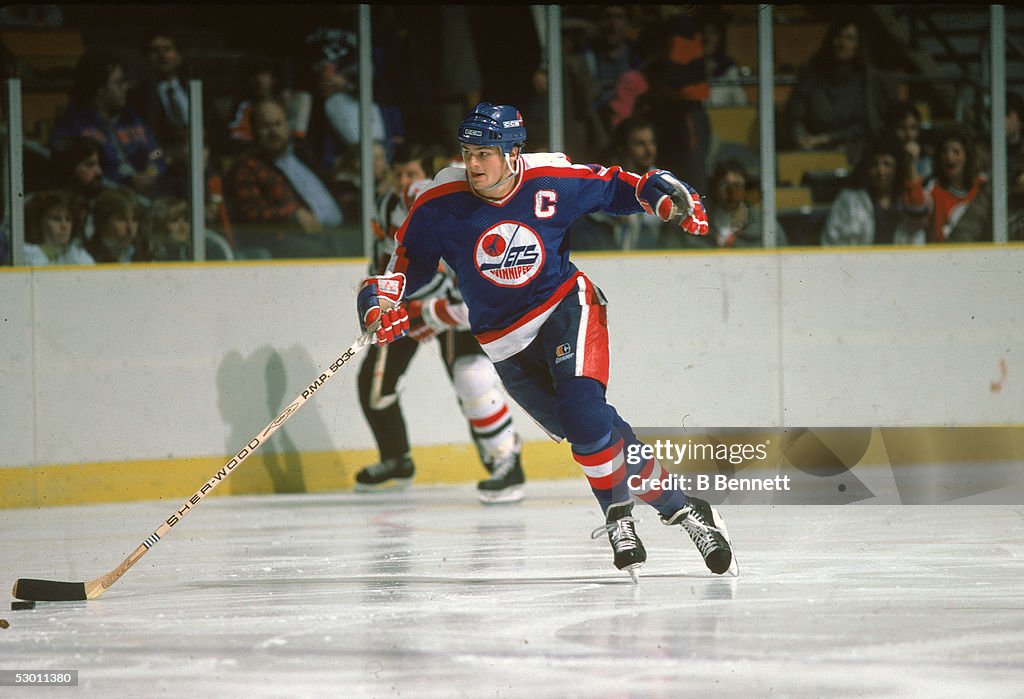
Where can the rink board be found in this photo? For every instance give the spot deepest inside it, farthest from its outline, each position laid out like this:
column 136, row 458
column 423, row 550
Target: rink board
column 117, row 377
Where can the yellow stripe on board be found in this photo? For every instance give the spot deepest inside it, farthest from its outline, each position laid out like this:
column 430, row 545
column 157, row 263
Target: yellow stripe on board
column 260, row 474
column 333, row 471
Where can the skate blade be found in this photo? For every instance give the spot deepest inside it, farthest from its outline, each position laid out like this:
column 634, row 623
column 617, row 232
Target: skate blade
column 499, row 497
column 720, row 524
column 395, row 485
column 634, row 571
column 734, row 564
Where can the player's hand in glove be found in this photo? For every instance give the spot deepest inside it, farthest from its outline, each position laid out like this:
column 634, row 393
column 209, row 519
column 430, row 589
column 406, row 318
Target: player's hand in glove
column 665, row 196
column 379, row 304
column 429, row 317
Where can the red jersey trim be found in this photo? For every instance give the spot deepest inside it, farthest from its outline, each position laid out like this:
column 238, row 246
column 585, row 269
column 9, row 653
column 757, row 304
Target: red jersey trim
column 560, row 293
column 427, row 195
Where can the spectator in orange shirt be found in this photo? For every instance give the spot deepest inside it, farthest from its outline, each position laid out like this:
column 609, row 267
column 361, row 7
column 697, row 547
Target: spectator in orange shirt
column 958, row 199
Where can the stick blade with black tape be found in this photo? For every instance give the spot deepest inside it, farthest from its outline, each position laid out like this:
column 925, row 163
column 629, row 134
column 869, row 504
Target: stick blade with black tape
column 48, row 590
column 33, row 590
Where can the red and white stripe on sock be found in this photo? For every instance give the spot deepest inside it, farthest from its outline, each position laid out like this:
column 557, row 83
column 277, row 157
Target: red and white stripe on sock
column 606, row 472
column 647, row 485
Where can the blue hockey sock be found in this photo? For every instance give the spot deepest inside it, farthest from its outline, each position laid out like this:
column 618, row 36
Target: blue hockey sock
column 604, row 466
column 646, row 476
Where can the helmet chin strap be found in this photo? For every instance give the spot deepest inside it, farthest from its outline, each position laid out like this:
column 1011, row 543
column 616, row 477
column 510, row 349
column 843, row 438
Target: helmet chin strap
column 512, row 173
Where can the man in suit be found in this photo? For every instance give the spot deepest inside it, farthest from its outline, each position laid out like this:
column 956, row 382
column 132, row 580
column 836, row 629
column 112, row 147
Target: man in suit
column 162, row 97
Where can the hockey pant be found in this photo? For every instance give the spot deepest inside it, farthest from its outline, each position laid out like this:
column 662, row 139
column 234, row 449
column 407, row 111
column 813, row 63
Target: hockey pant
column 560, row 380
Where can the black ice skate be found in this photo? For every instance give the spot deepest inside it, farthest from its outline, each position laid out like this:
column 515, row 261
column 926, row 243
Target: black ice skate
column 506, row 481
column 629, row 550
column 704, row 525
column 389, row 475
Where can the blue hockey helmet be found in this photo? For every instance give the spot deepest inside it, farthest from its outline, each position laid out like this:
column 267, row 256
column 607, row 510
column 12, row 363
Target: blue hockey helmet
column 493, row 125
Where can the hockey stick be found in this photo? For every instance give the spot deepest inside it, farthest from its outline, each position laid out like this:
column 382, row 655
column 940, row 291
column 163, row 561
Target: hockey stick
column 377, row 400
column 54, row 591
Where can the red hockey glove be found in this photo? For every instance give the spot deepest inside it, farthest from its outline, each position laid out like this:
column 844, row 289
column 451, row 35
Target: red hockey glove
column 379, row 304
column 428, row 318
column 663, row 195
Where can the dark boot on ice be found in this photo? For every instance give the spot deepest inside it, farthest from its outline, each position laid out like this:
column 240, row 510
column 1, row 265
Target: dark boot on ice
column 621, row 528
column 705, row 527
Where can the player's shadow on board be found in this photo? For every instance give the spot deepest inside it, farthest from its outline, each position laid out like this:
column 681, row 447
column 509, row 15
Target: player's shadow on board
column 253, row 390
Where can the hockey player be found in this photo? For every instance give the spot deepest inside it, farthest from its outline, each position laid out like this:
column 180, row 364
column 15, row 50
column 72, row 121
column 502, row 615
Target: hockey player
column 500, row 224
column 436, row 311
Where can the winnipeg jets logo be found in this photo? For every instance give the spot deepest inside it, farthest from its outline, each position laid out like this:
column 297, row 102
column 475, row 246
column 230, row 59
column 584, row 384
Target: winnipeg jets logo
column 509, row 254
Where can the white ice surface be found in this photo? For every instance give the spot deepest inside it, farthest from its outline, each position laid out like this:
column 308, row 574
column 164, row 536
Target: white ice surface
column 429, row 593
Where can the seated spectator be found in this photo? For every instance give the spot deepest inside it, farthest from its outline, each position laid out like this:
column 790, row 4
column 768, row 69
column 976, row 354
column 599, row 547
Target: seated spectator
column 49, row 234
column 215, row 210
column 334, row 123
column 117, row 239
column 872, row 211
column 958, row 199
column 903, row 121
column 719, row 64
column 634, row 146
column 76, row 168
column 170, row 233
column 275, row 184
column 129, row 153
column 840, row 98
column 260, row 81
column 733, row 223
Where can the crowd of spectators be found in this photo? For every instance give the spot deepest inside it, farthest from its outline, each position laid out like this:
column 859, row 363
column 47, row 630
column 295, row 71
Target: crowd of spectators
column 281, row 163
column 907, row 185
column 878, row 206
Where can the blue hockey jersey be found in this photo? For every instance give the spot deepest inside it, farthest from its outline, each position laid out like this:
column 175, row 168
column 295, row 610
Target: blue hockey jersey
column 511, row 255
